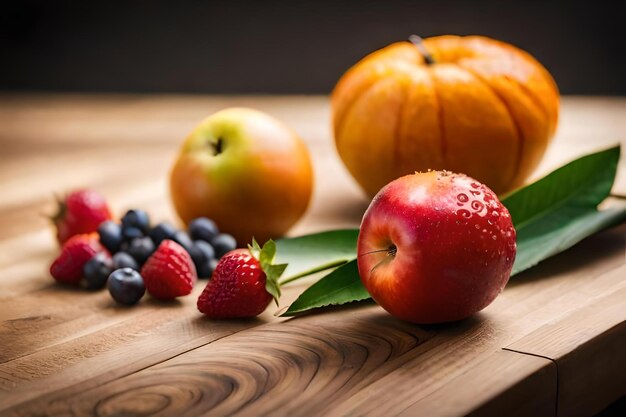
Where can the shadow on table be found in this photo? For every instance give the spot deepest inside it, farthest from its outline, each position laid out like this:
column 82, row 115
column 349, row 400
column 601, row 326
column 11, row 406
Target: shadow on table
column 362, row 315
column 593, row 251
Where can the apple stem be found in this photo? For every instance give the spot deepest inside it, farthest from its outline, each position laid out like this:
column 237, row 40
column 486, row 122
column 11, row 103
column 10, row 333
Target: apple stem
column 218, row 146
column 391, row 251
column 374, row 251
column 419, row 44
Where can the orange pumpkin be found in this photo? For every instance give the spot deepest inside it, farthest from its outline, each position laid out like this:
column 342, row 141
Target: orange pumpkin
column 466, row 104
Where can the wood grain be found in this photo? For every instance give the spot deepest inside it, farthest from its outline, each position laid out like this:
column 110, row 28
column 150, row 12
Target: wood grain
column 503, row 384
column 591, row 334
column 66, row 351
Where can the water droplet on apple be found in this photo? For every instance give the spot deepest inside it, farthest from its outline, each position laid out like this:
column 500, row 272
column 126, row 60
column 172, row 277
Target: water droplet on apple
column 477, row 206
column 464, row 213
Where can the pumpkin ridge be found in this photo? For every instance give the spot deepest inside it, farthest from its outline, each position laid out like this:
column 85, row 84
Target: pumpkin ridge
column 521, row 55
column 338, row 121
column 348, row 116
column 339, row 125
column 517, row 127
column 531, row 96
column 398, row 131
column 440, row 119
column 362, row 65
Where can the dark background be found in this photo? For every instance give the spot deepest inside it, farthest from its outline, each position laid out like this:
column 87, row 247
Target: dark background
column 284, row 46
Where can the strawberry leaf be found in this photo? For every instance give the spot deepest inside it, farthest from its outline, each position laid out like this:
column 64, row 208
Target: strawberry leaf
column 254, row 249
column 267, row 254
column 272, row 271
column 272, row 287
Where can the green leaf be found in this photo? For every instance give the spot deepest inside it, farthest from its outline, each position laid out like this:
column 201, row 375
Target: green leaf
column 341, row 286
column 550, row 216
column 309, row 254
column 559, row 210
column 584, row 182
column 541, row 240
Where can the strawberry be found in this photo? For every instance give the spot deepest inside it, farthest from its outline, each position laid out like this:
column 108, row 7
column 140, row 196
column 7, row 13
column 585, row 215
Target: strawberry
column 80, row 212
column 169, row 272
column 243, row 283
column 68, row 266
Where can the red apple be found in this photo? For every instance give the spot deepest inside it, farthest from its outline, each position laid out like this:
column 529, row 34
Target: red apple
column 435, row 247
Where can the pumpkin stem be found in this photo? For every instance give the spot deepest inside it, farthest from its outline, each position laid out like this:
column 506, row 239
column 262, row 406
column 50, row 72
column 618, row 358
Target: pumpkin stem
column 419, row 44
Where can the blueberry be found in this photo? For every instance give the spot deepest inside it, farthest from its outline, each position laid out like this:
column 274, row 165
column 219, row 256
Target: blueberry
column 124, row 260
column 129, row 233
column 182, row 238
column 201, row 254
column 223, row 243
column 203, row 228
column 202, row 251
column 162, row 231
column 126, row 286
column 206, row 270
column 110, row 235
column 97, row 270
column 124, row 246
column 141, row 248
column 138, row 219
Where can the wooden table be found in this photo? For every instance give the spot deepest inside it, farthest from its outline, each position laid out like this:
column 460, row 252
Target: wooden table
column 553, row 342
